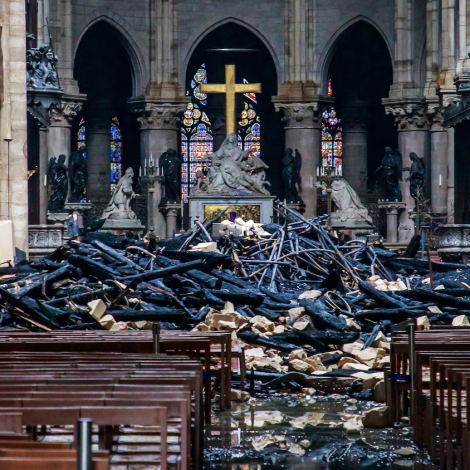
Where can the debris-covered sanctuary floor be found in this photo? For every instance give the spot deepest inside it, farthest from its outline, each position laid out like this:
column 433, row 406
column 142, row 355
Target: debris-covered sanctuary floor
column 284, row 431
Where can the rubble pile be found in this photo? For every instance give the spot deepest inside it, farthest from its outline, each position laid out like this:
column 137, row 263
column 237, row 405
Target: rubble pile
column 304, row 305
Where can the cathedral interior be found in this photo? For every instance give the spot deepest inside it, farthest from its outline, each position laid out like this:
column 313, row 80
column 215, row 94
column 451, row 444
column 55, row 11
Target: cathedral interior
column 145, row 118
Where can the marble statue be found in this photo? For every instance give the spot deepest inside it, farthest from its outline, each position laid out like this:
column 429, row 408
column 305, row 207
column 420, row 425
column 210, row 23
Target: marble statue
column 170, row 163
column 390, row 172
column 57, row 174
column 78, row 176
column 291, row 175
column 41, row 68
column 119, row 205
column 417, row 172
column 233, row 172
column 349, row 206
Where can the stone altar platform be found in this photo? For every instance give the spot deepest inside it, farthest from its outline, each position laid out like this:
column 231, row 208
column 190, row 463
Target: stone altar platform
column 256, row 208
column 122, row 226
column 360, row 228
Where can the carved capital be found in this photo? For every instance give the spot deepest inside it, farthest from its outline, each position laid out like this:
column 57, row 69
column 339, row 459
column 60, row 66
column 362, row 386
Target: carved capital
column 435, row 115
column 409, row 116
column 158, row 116
column 300, row 114
column 62, row 115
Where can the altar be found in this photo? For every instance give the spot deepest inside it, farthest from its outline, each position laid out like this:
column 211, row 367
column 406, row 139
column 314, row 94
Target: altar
column 259, row 208
column 236, row 179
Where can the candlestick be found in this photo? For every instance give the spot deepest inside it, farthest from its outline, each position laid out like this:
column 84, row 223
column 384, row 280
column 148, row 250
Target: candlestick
column 440, row 180
column 140, row 171
column 45, row 180
column 181, row 207
column 151, row 160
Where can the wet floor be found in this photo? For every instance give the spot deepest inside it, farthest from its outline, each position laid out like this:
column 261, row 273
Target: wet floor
column 295, row 432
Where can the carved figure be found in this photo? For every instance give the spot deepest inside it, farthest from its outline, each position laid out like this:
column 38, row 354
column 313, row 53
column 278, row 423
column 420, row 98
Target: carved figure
column 291, row 175
column 348, row 203
column 78, row 176
column 201, row 182
column 390, row 172
column 41, row 68
column 171, row 169
column 57, row 174
column 119, row 205
column 233, row 173
column 349, row 206
column 417, row 173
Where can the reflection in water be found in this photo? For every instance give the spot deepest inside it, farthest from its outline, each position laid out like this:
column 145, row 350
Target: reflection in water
column 297, row 432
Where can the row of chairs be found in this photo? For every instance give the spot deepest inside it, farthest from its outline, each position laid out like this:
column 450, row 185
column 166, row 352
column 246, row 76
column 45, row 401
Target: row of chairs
column 429, row 377
column 147, row 395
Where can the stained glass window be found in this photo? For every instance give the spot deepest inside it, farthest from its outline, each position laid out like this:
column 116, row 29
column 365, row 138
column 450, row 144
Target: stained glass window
column 196, row 135
column 332, row 138
column 116, row 153
column 250, row 129
column 81, row 137
column 115, row 148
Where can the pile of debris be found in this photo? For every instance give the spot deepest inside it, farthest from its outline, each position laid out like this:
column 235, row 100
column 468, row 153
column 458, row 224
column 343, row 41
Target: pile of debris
column 303, row 304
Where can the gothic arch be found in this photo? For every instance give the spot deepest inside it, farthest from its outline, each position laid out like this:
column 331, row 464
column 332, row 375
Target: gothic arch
column 331, row 46
column 196, row 40
column 130, row 39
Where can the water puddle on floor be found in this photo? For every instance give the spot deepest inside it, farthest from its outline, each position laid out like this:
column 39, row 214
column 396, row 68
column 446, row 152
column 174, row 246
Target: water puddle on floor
column 295, row 432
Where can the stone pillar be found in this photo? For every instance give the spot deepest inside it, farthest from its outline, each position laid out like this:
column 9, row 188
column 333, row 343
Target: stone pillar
column 98, row 152
column 413, row 136
column 392, row 210
column 438, row 170
column 68, row 83
column 13, row 164
column 43, row 165
column 354, row 122
column 302, row 124
column 450, row 175
column 159, row 128
column 171, row 216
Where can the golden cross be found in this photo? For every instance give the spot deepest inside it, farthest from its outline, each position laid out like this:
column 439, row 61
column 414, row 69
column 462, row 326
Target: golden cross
column 230, row 88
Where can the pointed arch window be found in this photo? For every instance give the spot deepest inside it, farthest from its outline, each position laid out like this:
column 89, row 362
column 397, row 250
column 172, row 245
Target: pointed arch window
column 115, row 148
column 332, row 138
column 196, row 135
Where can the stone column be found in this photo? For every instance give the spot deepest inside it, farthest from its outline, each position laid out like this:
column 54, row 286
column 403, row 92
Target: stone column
column 68, row 83
column 302, row 124
column 13, row 164
column 43, row 165
column 439, row 150
column 413, row 136
column 450, row 175
column 354, row 122
column 98, row 152
column 172, row 211
column 159, row 127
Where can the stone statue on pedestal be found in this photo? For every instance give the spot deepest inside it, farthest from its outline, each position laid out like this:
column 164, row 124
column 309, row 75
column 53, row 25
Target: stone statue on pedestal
column 233, row 172
column 291, row 175
column 390, row 172
column 170, row 163
column 78, row 176
column 57, row 175
column 417, row 173
column 349, row 207
column 119, row 205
